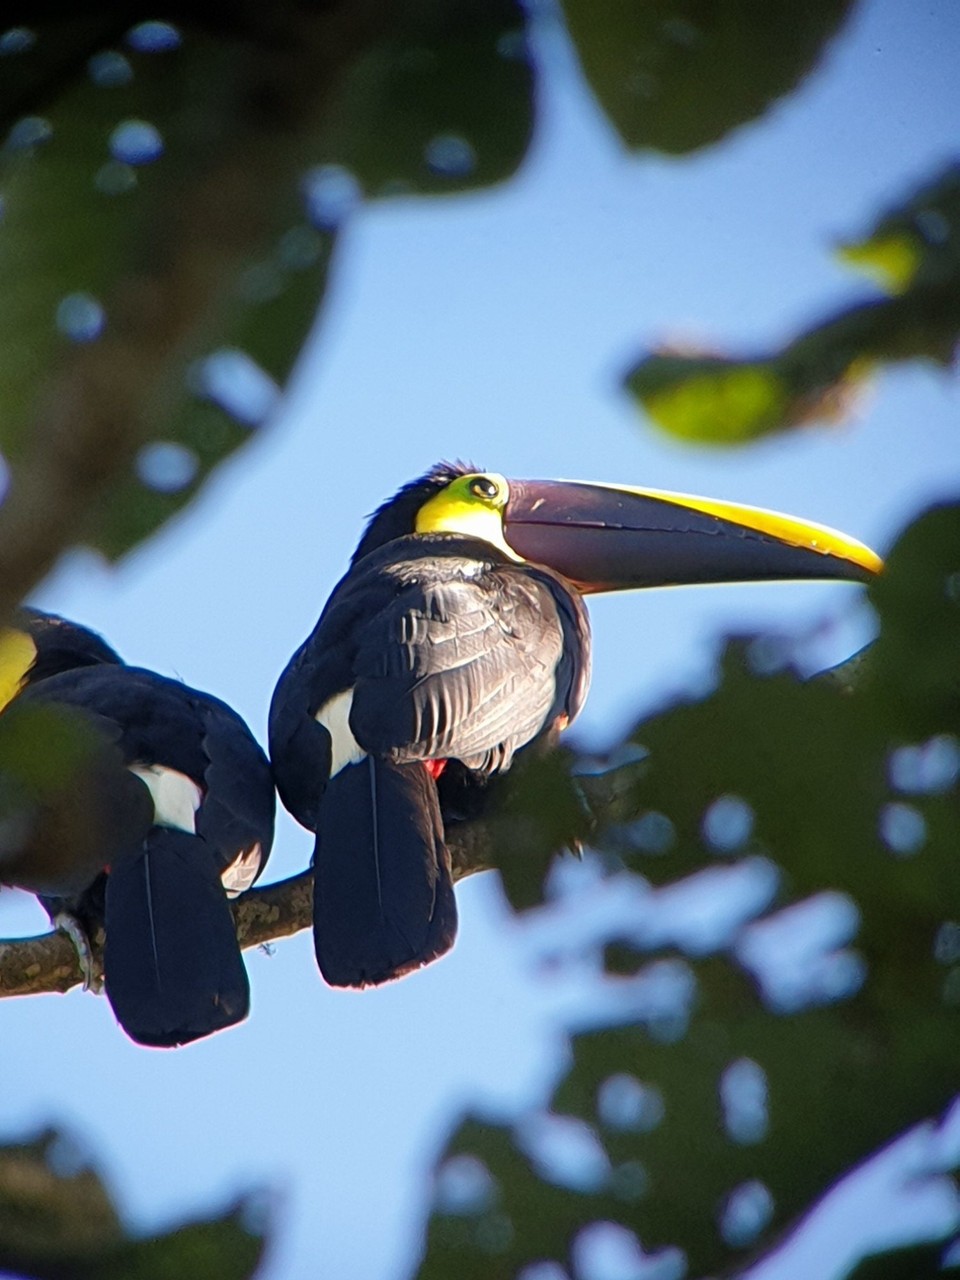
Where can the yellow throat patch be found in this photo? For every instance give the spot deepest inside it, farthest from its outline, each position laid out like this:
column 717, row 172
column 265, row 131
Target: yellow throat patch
column 472, row 506
column 17, row 655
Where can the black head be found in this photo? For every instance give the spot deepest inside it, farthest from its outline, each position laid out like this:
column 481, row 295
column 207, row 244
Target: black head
column 397, row 517
column 61, row 645
column 604, row 537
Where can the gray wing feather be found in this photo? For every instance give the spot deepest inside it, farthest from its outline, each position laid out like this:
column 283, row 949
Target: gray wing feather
column 460, row 668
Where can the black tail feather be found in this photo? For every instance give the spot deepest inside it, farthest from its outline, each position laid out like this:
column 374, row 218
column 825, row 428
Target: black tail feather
column 173, row 971
column 383, row 901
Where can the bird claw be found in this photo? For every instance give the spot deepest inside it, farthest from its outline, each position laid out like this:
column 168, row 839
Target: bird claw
column 71, row 926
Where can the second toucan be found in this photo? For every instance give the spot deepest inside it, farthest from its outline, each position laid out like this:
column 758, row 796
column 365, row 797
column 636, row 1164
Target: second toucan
column 458, row 637
column 166, row 810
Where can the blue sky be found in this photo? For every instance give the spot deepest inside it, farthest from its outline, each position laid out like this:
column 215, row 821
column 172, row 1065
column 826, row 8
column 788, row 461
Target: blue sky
column 492, row 327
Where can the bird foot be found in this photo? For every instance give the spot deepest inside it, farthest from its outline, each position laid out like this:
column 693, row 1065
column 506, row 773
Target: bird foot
column 71, row 926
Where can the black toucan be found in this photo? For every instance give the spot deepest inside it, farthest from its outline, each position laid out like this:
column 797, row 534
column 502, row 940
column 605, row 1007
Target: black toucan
column 171, row 814
column 457, row 637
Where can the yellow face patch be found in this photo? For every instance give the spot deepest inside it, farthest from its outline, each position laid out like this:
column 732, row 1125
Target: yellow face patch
column 17, row 655
column 472, row 506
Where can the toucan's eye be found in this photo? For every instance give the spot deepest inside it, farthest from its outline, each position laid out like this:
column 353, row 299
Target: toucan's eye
column 484, row 487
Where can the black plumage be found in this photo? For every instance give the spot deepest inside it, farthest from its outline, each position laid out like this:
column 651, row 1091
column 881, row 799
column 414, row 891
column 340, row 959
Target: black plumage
column 448, row 651
column 458, row 638
column 62, row 645
column 383, row 895
column 195, row 822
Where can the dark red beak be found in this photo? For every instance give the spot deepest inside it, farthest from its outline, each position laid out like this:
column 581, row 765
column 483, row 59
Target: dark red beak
column 612, row 538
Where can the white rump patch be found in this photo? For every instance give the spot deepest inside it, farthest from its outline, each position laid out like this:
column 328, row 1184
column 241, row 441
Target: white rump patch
column 176, row 798
column 242, row 871
column 335, row 718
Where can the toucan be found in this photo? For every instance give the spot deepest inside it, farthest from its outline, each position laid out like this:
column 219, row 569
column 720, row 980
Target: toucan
column 458, row 637
column 168, row 813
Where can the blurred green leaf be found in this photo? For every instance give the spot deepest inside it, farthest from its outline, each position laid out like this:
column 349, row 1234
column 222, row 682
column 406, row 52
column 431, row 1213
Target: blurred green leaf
column 916, row 241
column 919, row 1263
column 123, row 274
column 915, row 252
column 674, row 75
column 890, row 260
column 541, row 812
column 915, row 665
column 711, row 399
column 812, row 777
column 52, row 1204
column 65, row 795
column 58, row 1222
column 442, row 103
column 221, row 1248
column 42, row 745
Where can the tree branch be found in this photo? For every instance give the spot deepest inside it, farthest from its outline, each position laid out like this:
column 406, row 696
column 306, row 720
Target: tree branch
column 49, row 961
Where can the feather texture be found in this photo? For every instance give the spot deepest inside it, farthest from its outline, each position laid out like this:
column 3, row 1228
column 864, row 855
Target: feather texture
column 172, row 968
column 442, row 650
column 383, row 892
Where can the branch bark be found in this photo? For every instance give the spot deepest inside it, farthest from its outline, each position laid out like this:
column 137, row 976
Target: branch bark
column 49, row 962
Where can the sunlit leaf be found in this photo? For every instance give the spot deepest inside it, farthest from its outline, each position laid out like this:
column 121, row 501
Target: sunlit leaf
column 914, row 250
column 890, row 260
column 917, row 241
column 700, row 397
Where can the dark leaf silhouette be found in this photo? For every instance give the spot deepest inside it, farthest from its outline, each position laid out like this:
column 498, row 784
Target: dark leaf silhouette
column 172, row 194
column 676, row 76
column 58, row 1222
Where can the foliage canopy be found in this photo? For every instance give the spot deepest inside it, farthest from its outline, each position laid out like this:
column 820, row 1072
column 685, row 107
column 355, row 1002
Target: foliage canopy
column 172, row 195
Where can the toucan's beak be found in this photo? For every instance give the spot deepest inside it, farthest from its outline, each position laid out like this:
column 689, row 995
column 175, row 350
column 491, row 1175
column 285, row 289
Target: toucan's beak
column 610, row 537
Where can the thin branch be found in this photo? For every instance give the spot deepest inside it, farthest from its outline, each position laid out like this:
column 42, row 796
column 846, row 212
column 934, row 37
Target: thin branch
column 49, row 961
